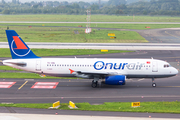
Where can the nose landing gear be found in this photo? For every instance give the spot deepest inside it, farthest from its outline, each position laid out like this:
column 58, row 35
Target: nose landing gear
column 153, row 83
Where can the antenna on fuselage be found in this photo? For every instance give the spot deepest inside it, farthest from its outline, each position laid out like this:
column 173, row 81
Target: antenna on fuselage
column 74, row 56
column 151, row 57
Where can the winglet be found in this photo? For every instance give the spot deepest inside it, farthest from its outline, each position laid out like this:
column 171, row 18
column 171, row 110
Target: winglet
column 18, row 48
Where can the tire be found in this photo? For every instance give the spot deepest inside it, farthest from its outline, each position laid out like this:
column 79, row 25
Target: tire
column 94, row 84
column 154, row 84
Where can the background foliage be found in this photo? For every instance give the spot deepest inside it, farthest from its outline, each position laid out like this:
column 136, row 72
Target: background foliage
column 111, row 7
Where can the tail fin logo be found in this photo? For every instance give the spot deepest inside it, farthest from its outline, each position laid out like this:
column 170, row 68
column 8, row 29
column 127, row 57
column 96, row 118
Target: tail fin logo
column 18, row 47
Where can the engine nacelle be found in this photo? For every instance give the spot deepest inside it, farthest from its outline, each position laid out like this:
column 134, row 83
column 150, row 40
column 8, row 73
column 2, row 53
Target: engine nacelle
column 115, row 80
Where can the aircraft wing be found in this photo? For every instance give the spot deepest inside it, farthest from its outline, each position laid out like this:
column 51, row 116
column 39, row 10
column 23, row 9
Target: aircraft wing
column 90, row 74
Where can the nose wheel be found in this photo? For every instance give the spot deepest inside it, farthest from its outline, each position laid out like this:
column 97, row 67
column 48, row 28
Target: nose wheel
column 153, row 83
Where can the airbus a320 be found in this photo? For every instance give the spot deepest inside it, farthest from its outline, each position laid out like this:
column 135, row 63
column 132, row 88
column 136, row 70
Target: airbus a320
column 112, row 71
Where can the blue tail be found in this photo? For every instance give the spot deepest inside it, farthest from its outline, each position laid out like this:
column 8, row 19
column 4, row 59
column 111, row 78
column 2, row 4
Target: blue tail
column 18, row 48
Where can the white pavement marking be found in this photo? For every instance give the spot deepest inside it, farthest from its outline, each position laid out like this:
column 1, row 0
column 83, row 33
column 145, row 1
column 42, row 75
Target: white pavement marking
column 10, row 116
column 45, row 85
column 29, row 79
column 6, row 84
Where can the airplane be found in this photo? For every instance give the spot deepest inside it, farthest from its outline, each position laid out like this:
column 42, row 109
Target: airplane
column 112, row 71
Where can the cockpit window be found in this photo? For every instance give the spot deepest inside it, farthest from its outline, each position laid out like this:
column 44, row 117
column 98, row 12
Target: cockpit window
column 166, row 65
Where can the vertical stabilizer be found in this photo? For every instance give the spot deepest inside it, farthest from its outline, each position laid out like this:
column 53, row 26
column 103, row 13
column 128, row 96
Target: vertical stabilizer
column 18, row 48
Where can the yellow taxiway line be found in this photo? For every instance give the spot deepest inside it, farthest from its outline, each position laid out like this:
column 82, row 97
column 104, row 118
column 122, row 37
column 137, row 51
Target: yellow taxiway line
column 22, row 85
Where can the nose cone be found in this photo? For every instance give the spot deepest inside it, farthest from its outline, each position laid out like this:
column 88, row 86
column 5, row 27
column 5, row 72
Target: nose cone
column 175, row 71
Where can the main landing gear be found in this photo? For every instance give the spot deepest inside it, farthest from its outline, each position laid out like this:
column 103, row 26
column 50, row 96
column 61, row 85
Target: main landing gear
column 153, row 83
column 95, row 82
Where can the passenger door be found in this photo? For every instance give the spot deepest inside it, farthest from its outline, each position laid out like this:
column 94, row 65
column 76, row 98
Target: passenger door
column 155, row 66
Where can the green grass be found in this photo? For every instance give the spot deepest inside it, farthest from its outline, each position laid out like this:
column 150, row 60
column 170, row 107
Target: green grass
column 100, row 25
column 23, row 75
column 5, row 52
column 8, row 68
column 59, row 34
column 29, row 76
column 82, row 18
column 138, row 26
column 150, row 107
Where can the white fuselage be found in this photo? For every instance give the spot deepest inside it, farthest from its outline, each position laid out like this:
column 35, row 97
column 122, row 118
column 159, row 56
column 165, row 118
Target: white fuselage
column 85, row 67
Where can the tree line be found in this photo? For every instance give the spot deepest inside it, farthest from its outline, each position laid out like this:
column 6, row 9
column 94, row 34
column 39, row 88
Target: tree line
column 111, row 7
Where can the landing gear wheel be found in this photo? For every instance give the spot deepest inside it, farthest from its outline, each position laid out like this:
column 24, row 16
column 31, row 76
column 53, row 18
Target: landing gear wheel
column 154, row 84
column 94, row 84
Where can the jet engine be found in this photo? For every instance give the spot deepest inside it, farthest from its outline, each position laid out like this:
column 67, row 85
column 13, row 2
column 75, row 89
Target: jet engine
column 115, row 80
